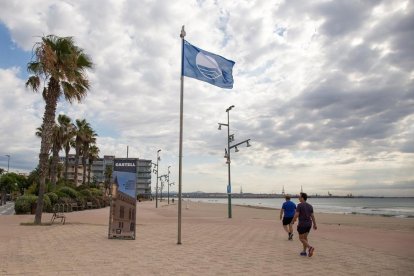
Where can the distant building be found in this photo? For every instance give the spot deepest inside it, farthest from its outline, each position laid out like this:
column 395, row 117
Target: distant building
column 71, row 169
column 98, row 172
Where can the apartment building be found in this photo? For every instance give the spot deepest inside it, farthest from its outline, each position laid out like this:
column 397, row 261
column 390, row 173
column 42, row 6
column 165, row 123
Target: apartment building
column 99, row 166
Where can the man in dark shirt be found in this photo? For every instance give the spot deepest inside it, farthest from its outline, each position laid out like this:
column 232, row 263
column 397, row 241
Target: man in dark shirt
column 304, row 211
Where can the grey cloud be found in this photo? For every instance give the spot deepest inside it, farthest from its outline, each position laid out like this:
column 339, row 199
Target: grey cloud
column 343, row 17
column 401, row 185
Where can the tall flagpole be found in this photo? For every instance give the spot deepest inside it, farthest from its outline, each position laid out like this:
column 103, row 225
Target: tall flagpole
column 180, row 164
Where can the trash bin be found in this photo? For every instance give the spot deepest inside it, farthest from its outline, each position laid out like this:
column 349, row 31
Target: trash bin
column 33, row 207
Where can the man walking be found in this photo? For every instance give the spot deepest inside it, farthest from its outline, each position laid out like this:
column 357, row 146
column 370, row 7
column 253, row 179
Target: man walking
column 287, row 212
column 304, row 212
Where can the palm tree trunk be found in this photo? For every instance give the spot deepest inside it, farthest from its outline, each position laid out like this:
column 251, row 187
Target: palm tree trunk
column 53, row 169
column 45, row 145
column 67, row 149
column 77, row 151
column 89, row 172
column 84, row 169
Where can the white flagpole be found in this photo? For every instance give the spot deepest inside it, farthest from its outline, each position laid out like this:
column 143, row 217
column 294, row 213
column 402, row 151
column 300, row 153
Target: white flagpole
column 180, row 166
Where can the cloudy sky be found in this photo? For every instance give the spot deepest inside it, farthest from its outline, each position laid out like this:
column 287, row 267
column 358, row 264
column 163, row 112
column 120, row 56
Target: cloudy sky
column 324, row 89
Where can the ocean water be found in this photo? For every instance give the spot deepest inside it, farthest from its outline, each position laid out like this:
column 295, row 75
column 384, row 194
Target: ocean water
column 389, row 206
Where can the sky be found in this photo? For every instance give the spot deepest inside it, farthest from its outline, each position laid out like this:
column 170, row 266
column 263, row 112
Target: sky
column 324, row 90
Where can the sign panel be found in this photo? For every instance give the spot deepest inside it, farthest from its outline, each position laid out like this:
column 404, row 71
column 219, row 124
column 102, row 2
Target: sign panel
column 122, row 215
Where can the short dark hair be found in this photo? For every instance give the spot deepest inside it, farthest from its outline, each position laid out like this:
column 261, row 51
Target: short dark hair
column 304, row 196
column 287, row 197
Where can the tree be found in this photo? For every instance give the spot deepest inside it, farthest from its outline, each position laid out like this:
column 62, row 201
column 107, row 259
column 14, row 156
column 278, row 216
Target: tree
column 70, row 132
column 93, row 154
column 60, row 65
column 108, row 177
column 82, row 129
column 10, row 182
column 64, row 132
column 89, row 140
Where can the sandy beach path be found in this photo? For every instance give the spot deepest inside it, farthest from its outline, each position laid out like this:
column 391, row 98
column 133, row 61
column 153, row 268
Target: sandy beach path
column 251, row 243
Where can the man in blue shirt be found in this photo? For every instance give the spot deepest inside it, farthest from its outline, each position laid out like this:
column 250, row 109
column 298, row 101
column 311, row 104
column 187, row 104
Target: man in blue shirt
column 288, row 209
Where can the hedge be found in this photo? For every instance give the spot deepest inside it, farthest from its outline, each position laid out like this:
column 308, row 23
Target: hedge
column 23, row 204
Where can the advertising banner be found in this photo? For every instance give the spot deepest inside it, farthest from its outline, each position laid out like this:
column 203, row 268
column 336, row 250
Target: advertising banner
column 122, row 214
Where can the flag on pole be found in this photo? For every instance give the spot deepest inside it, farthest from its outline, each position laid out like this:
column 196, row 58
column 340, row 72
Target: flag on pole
column 206, row 66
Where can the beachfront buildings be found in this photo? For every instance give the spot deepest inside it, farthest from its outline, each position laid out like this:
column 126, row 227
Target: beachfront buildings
column 99, row 166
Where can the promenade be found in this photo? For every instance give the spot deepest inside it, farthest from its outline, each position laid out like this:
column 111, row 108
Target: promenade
column 252, row 243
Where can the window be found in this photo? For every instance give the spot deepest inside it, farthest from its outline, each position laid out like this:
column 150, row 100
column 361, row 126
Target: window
column 121, row 212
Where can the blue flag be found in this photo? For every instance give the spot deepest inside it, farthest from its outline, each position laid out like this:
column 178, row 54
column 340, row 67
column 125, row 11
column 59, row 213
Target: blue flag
column 206, row 66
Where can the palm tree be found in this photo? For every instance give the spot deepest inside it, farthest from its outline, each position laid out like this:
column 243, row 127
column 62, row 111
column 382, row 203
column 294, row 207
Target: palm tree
column 61, row 65
column 82, row 132
column 57, row 140
column 108, row 178
column 90, row 138
column 93, row 154
column 68, row 131
column 61, row 132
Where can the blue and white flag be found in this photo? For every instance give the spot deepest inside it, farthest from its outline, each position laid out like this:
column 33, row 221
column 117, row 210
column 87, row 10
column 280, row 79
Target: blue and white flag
column 206, row 66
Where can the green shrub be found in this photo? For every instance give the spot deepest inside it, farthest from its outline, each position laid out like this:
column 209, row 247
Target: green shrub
column 23, row 204
column 86, row 193
column 96, row 192
column 32, row 190
column 70, row 192
column 47, row 205
column 53, row 197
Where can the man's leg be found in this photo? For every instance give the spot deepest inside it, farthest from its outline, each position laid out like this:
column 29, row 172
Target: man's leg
column 286, row 228
column 304, row 240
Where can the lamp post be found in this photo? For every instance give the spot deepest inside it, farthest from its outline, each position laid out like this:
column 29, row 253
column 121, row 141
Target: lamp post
column 230, row 138
column 155, row 170
column 8, row 162
column 162, row 184
column 169, row 184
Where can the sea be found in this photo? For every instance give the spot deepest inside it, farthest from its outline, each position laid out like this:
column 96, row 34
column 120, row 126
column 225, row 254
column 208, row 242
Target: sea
column 401, row 207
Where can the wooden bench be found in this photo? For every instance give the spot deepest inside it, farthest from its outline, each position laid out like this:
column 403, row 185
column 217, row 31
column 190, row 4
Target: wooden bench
column 90, row 205
column 58, row 212
column 74, row 206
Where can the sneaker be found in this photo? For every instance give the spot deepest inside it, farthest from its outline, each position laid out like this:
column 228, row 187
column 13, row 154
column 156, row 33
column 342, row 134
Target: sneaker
column 303, row 253
column 290, row 236
column 311, row 249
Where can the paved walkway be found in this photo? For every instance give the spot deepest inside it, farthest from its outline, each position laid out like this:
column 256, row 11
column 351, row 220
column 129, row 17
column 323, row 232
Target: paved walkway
column 248, row 244
column 7, row 209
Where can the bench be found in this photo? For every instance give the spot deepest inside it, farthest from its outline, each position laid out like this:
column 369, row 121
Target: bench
column 58, row 212
column 74, row 206
column 90, row 205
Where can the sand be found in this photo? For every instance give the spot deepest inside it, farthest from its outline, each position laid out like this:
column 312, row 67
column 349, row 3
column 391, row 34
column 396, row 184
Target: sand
column 253, row 242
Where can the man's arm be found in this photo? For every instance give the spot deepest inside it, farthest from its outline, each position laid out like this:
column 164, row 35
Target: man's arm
column 295, row 217
column 314, row 222
column 281, row 213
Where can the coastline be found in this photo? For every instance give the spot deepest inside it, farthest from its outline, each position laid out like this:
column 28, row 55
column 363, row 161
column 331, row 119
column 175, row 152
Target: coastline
column 401, row 208
column 253, row 242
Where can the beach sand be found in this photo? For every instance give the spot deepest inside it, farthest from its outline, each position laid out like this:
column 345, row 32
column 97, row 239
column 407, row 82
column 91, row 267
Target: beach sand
column 253, row 242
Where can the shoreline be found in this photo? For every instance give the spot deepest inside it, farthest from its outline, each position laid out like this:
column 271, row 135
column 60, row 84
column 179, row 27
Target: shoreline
column 319, row 207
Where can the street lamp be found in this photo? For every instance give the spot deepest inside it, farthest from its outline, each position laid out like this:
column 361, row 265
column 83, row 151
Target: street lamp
column 169, row 184
column 8, row 162
column 230, row 138
column 162, row 184
column 155, row 170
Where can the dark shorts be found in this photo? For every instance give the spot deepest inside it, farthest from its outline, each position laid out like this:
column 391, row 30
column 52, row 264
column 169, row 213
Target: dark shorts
column 304, row 229
column 286, row 221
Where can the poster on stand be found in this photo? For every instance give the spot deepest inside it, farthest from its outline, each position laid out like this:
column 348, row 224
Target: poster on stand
column 122, row 215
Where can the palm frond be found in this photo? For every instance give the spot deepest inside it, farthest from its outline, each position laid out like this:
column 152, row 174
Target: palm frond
column 33, row 82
